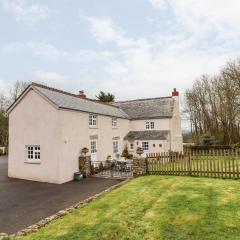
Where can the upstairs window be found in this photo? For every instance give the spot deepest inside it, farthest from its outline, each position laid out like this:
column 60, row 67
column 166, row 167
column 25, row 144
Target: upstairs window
column 149, row 125
column 114, row 122
column 115, row 146
column 92, row 120
column 33, row 153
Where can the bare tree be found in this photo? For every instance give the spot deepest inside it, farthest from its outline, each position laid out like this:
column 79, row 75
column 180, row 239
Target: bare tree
column 213, row 105
column 5, row 101
column 16, row 90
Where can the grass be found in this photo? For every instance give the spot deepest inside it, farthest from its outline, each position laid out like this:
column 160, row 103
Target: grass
column 155, row 207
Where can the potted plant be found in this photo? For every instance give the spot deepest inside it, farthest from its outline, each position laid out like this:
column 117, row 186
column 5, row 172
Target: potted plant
column 78, row 176
column 84, row 150
column 139, row 151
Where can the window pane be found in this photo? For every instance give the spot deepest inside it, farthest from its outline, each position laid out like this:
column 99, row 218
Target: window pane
column 115, row 146
column 33, row 152
column 145, row 146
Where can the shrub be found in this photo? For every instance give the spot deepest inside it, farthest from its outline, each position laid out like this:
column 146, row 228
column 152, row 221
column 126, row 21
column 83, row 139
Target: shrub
column 208, row 140
column 126, row 154
column 92, row 172
column 101, row 167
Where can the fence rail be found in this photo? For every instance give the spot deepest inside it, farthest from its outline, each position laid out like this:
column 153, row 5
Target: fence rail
column 219, row 163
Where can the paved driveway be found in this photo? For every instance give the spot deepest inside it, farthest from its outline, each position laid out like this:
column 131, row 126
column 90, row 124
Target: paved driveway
column 23, row 203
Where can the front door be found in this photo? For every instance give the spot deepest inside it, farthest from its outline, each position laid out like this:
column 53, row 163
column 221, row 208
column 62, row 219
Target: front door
column 94, row 151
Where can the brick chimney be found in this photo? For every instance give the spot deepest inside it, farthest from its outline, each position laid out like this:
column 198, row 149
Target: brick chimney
column 82, row 95
column 175, row 93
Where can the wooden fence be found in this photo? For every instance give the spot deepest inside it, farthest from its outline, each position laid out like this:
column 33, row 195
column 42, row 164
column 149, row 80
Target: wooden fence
column 220, row 163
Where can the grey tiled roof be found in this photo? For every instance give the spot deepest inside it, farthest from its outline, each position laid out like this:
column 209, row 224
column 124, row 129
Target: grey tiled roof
column 148, row 108
column 146, row 135
column 69, row 101
column 134, row 109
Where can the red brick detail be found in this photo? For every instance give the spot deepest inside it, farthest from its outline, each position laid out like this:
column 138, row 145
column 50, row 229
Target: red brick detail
column 175, row 93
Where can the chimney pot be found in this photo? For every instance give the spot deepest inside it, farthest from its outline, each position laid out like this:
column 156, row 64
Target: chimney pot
column 175, row 93
column 82, row 95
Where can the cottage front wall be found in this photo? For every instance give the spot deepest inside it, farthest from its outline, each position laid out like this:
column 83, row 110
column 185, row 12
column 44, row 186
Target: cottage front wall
column 34, row 122
column 61, row 134
column 76, row 134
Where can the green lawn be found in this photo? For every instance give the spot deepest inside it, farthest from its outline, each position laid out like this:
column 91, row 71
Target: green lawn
column 155, row 207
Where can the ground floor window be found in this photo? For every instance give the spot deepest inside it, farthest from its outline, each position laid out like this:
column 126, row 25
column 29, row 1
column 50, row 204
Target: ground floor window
column 145, row 146
column 33, row 153
column 131, row 147
column 93, row 146
column 115, row 146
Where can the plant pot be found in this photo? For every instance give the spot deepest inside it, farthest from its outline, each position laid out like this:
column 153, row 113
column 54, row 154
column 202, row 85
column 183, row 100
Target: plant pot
column 78, row 176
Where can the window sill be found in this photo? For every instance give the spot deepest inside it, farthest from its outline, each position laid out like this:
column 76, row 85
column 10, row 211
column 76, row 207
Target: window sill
column 32, row 162
column 92, row 127
column 114, row 128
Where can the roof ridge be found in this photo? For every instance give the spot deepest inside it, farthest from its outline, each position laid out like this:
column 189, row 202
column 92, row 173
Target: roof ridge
column 142, row 99
column 71, row 94
column 53, row 89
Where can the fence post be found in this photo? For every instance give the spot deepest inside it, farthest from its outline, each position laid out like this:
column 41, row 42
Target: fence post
column 189, row 164
column 139, row 166
column 146, row 164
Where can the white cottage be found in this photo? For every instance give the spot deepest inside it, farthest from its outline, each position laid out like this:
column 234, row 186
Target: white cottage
column 49, row 127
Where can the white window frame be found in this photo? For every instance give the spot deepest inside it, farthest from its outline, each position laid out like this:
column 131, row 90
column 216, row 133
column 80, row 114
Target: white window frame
column 114, row 122
column 145, row 146
column 33, row 154
column 149, row 125
column 92, row 121
column 115, row 146
column 93, row 147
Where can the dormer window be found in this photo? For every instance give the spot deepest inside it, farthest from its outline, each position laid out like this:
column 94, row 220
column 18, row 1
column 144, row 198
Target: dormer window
column 149, row 125
column 114, row 122
column 92, row 120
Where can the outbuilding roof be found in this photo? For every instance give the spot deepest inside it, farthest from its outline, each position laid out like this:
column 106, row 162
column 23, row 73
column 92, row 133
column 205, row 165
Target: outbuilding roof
column 148, row 108
column 146, row 135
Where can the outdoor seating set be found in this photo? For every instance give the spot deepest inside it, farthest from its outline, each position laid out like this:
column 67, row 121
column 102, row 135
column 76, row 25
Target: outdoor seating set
column 120, row 167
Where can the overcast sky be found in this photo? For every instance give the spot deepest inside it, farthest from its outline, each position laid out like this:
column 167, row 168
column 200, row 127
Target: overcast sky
column 132, row 48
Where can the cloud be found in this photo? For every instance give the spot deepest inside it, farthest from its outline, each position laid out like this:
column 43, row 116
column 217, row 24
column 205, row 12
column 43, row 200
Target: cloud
column 153, row 66
column 91, row 56
column 105, row 31
column 25, row 12
column 13, row 47
column 50, row 76
column 215, row 22
column 159, row 4
column 37, row 49
column 45, row 50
